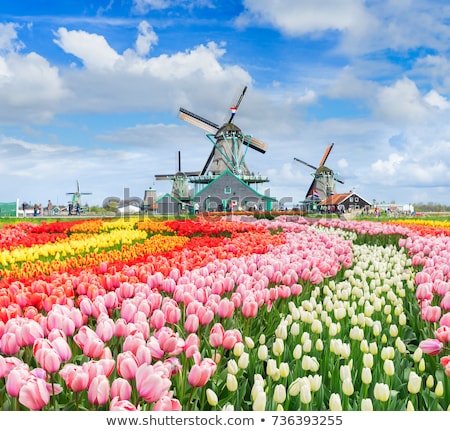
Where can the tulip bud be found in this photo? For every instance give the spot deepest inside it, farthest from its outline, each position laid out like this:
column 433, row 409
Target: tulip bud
column 439, row 390
column 232, row 367
column 278, row 347
column 243, row 361
column 211, row 397
column 366, row 376
column 347, row 387
column 297, row 353
column 381, row 392
column 262, row 352
column 279, row 394
column 388, row 367
column 414, row 383
column 238, row 348
column 259, row 404
column 366, row 405
column 284, row 369
column 409, row 406
column 335, row 403
column 232, row 383
column 305, row 394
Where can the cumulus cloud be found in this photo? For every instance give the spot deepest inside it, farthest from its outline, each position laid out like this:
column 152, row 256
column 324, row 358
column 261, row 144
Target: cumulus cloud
column 400, row 103
column 92, row 49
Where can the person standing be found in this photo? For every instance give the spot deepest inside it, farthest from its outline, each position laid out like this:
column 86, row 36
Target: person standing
column 49, row 207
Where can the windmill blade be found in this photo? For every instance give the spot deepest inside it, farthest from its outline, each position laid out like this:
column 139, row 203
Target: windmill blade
column 236, row 105
column 307, row 164
column 198, row 121
column 310, row 190
column 192, row 174
column 256, row 144
column 338, row 180
column 163, row 177
column 326, row 154
column 208, row 161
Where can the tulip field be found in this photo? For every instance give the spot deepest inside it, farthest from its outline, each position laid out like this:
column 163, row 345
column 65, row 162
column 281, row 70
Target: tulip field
column 229, row 313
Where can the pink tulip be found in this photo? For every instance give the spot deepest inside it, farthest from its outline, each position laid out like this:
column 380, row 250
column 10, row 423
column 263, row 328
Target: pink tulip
column 121, row 389
column 9, row 344
column 105, row 329
column 445, row 302
column 30, row 332
column 75, row 377
column 93, row 348
column 443, row 334
column 34, row 394
column 117, row 404
column 128, row 311
column 230, row 338
column 17, row 377
column 98, row 391
column 225, row 309
column 8, row 364
column 49, row 359
column 192, row 344
column 143, row 355
column 199, row 375
column 151, row 384
column 127, row 365
column 431, row 313
column 424, row 291
column 157, row 320
column 216, row 335
column 249, row 308
column 167, row 403
column 431, row 346
column 62, row 348
column 205, row 315
column 445, row 320
column 191, row 323
column 120, row 329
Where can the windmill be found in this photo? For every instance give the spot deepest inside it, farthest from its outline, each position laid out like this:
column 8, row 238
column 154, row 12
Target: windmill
column 323, row 184
column 180, row 181
column 230, row 145
column 76, row 196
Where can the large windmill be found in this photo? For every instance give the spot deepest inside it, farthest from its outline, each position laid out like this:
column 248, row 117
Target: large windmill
column 180, row 181
column 230, row 145
column 76, row 196
column 323, row 184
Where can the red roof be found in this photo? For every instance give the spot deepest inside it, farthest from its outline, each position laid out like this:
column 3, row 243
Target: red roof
column 335, row 199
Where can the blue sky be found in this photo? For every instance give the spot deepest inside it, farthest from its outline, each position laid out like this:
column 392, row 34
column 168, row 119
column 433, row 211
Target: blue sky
column 90, row 91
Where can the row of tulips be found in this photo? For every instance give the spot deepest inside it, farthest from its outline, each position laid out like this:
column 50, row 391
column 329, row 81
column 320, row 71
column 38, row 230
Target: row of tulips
column 298, row 313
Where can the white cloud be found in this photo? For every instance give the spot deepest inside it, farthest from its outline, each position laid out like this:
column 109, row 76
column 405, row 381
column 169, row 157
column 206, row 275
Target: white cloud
column 146, row 39
column 299, row 17
column 400, row 103
column 92, row 49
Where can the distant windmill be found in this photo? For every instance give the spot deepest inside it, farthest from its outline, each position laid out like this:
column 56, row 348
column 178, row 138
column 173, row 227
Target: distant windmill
column 76, row 196
column 180, row 183
column 323, row 184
